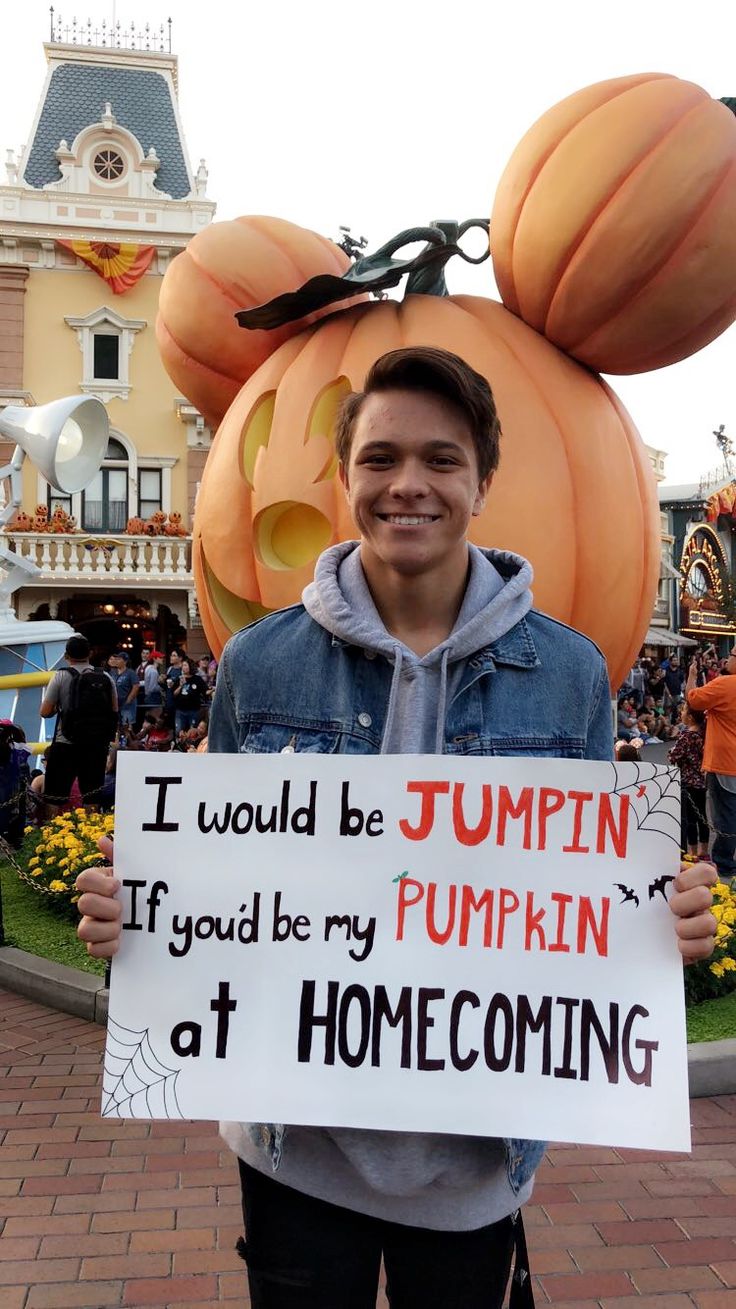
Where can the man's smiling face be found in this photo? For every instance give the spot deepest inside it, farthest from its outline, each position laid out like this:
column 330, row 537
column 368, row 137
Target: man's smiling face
column 412, row 482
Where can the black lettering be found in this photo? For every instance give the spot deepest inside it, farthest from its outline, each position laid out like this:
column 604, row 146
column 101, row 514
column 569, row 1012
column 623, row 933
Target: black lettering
column 461, row 1062
column 499, row 1004
column 383, row 1013
column 304, row 821
column 154, row 900
column 181, row 927
column 194, row 1046
column 351, row 993
column 526, row 1021
column 163, row 784
column 644, row 1076
column 565, row 1069
column 219, row 824
column 589, row 1021
column 133, row 925
column 351, row 819
column 425, row 996
column 241, row 820
column 308, row 1020
column 223, row 1006
column 373, row 823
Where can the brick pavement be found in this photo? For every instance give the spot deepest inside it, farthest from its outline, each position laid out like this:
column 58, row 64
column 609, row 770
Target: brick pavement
column 113, row 1213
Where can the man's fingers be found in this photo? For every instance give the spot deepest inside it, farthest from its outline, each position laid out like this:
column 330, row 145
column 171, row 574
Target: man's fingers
column 700, row 874
column 701, row 925
column 696, row 901
column 91, row 905
column 96, row 930
column 105, row 845
column 692, row 951
column 100, row 880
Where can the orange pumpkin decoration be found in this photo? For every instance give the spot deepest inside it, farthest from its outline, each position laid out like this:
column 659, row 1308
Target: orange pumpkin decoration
column 613, row 229
column 227, row 267
column 270, row 501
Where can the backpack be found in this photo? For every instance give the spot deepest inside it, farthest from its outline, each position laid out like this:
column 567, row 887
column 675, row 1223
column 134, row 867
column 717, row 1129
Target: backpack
column 89, row 718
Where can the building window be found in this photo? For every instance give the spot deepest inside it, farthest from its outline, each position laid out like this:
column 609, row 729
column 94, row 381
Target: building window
column 105, row 499
column 106, row 341
column 150, row 492
column 109, row 165
column 106, row 356
column 56, row 501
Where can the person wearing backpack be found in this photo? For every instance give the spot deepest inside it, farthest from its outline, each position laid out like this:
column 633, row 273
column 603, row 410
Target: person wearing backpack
column 86, row 704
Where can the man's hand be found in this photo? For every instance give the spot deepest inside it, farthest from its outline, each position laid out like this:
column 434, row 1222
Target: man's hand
column 691, row 903
column 100, row 927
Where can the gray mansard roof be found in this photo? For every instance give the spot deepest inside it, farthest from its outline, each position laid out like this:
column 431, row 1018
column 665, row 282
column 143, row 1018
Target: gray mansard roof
column 141, row 101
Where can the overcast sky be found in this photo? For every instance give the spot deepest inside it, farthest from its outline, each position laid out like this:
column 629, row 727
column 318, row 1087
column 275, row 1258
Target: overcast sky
column 389, row 114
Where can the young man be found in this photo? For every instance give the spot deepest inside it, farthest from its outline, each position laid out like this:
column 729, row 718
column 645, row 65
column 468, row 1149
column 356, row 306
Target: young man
column 410, row 641
column 718, row 700
column 126, row 687
column 79, row 749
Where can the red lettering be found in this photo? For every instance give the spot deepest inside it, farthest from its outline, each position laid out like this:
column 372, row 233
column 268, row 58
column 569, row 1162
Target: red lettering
column 428, row 791
column 562, row 901
column 581, row 798
column 507, row 809
column 534, row 924
column 607, row 824
column 470, row 835
column 440, row 937
column 550, row 802
column 468, row 903
column 509, row 904
column 586, row 919
column 405, row 903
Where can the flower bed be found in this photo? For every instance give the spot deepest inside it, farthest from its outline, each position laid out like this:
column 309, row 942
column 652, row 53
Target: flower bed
column 716, row 977
column 51, row 856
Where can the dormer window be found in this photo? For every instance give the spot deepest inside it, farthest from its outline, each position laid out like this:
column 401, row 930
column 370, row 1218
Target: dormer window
column 108, row 164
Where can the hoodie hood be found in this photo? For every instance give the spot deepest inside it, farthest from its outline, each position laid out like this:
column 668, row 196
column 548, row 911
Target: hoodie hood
column 497, row 596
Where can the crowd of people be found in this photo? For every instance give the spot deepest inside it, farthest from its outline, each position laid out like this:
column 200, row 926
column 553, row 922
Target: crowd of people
column 161, row 704
column 679, row 703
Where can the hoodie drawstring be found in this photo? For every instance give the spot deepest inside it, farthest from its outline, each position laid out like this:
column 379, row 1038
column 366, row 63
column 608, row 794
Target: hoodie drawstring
column 439, row 741
column 392, row 698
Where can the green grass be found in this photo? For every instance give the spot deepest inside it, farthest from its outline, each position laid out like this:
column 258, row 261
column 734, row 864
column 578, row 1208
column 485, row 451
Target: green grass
column 30, row 924
column 714, row 1020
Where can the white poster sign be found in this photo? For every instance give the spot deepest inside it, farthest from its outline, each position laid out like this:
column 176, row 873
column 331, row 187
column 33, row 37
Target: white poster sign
column 423, row 943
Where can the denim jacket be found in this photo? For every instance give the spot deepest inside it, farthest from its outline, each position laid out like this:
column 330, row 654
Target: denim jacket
column 286, row 684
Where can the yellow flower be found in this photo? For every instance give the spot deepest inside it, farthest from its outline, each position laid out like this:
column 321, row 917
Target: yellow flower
column 58, row 886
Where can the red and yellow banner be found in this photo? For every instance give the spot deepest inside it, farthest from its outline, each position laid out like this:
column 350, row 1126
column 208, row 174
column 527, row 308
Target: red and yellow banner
column 121, row 265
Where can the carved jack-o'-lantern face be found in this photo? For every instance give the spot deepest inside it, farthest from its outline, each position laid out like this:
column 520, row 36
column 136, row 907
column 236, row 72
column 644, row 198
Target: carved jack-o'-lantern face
column 574, row 492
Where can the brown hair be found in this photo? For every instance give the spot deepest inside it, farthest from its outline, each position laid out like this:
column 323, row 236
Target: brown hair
column 438, row 372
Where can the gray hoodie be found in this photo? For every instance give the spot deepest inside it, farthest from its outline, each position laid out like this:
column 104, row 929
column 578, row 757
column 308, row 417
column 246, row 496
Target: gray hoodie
column 442, row 1182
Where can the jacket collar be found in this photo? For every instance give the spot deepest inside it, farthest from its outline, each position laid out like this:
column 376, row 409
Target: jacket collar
column 515, row 649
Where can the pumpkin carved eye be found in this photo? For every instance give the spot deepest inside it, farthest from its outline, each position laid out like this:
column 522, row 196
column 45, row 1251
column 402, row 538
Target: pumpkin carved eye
column 290, row 532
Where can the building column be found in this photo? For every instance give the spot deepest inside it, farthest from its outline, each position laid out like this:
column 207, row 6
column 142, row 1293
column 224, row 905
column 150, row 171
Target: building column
column 13, row 278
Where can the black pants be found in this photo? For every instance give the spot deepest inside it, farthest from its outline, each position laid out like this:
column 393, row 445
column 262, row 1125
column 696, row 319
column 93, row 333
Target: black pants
column 303, row 1253
column 695, row 830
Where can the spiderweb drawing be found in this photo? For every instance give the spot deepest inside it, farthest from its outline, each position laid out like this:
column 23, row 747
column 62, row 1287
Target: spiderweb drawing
column 135, row 1083
column 654, row 794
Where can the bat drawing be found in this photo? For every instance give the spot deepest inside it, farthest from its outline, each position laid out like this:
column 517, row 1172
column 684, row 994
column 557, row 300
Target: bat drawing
column 629, row 894
column 659, row 884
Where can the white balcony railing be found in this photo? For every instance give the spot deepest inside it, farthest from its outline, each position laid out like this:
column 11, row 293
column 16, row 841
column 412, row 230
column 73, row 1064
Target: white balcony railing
column 105, row 560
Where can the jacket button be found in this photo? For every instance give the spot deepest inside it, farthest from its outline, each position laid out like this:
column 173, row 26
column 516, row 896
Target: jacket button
column 365, row 720
column 369, row 654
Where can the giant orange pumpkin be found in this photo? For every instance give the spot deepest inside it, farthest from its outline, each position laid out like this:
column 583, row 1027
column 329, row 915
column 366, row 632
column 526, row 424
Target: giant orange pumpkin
column 614, row 225
column 574, row 493
column 227, row 267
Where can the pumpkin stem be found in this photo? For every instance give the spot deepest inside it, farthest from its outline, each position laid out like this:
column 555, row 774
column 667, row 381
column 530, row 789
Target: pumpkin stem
column 730, row 102
column 376, row 272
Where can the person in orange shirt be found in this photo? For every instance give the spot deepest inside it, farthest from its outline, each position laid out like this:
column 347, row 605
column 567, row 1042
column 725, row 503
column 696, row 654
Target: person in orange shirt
column 718, row 700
